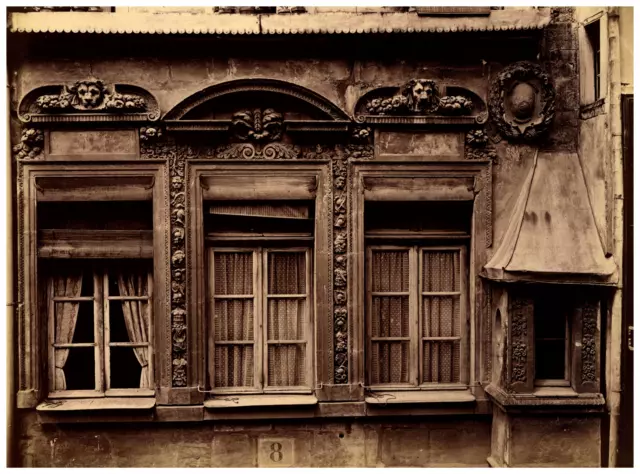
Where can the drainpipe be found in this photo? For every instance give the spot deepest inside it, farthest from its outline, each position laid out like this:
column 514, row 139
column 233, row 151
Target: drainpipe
column 11, row 393
column 615, row 145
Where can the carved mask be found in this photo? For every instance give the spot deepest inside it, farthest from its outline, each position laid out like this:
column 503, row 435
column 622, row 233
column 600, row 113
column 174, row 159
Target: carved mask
column 89, row 94
column 523, row 100
column 421, row 95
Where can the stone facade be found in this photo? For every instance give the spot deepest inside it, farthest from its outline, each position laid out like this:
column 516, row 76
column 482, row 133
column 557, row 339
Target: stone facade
column 239, row 91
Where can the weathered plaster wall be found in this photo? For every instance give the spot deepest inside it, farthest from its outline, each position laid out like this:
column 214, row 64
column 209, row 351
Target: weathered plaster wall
column 593, row 153
column 546, row 441
column 442, row 441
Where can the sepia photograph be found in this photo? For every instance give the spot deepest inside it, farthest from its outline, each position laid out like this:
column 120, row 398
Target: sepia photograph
column 319, row 236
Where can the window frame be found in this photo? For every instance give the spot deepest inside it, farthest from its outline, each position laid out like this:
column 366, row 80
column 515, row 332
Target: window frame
column 200, row 173
column 416, row 317
column 101, row 330
column 406, row 169
column 32, row 340
column 260, row 254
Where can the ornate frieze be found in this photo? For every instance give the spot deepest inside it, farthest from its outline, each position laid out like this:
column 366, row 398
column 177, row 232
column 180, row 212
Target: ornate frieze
column 250, row 151
column 30, row 146
column 522, row 101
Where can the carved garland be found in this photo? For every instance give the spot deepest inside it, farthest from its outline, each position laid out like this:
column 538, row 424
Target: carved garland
column 30, row 146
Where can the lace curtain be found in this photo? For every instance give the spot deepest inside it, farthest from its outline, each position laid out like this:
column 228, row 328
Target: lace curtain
column 66, row 317
column 136, row 318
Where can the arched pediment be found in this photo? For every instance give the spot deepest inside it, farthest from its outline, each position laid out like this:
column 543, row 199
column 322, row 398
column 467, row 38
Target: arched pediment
column 88, row 100
column 421, row 102
column 272, row 104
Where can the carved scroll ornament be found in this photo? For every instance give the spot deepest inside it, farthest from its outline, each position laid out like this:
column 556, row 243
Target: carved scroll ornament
column 257, row 125
column 521, row 102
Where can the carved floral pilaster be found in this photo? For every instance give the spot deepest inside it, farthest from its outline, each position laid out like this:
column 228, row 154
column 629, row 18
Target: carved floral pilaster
column 519, row 352
column 177, row 196
column 589, row 352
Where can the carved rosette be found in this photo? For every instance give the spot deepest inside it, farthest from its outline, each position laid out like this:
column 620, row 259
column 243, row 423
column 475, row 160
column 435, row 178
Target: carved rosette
column 589, row 330
column 521, row 101
column 177, row 195
column 30, row 146
column 520, row 315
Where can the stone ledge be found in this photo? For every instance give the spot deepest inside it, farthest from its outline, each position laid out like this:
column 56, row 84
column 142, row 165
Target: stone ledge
column 534, row 401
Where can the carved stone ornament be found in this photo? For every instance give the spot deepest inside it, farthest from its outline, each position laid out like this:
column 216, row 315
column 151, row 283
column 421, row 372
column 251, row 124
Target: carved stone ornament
column 88, row 100
column 589, row 353
column 257, row 125
column 30, row 146
column 477, row 146
column 419, row 96
column 150, row 134
column 177, row 162
column 522, row 101
column 520, row 315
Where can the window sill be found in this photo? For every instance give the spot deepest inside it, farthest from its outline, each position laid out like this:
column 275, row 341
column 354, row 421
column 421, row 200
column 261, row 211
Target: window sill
column 86, row 404
column 422, row 396
column 242, row 401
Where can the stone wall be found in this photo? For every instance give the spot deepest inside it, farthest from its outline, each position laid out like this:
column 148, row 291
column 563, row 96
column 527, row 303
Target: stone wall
column 436, row 442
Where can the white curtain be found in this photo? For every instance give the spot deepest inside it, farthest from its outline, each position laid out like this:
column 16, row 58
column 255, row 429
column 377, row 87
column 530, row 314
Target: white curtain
column 136, row 318
column 66, row 316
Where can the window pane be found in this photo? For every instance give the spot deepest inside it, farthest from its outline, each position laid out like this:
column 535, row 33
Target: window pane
column 234, row 365
column 390, row 316
column 233, row 273
column 83, row 331
column 390, row 270
column 550, row 359
column 441, row 270
column 233, row 320
column 441, row 316
column 389, row 362
column 125, row 368
column 286, row 363
column 286, row 319
column 79, row 367
column 441, row 362
column 287, row 273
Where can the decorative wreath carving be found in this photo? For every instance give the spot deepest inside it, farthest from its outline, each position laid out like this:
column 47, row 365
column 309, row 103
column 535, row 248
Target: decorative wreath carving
column 522, row 101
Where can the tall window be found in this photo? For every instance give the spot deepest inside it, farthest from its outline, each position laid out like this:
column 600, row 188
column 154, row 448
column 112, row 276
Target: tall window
column 552, row 318
column 593, row 35
column 100, row 329
column 416, row 293
column 415, row 315
column 260, row 300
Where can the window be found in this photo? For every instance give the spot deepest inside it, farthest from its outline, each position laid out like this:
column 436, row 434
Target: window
column 552, row 337
column 416, row 315
column 592, row 31
column 260, row 309
column 100, row 329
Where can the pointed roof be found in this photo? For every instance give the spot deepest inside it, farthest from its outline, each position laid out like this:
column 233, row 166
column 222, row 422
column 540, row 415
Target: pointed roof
column 552, row 233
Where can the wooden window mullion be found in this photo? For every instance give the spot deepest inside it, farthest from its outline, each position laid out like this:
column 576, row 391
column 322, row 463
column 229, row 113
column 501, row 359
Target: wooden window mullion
column 261, row 359
column 414, row 325
column 103, row 323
